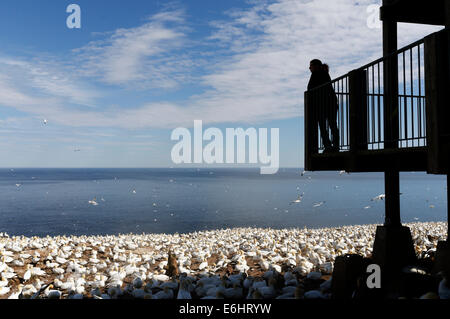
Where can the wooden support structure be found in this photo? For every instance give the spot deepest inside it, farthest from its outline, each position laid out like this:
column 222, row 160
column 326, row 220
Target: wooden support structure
column 393, row 246
column 311, row 134
column 438, row 63
column 391, row 129
column 437, row 85
column 358, row 110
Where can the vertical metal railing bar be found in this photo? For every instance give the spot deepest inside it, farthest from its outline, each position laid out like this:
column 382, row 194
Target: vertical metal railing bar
column 368, row 129
column 342, row 112
column 373, row 103
column 419, row 106
column 404, row 97
column 412, row 93
column 347, row 109
column 340, row 117
column 379, row 106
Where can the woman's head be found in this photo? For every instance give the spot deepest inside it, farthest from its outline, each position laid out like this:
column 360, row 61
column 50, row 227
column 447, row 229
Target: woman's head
column 315, row 65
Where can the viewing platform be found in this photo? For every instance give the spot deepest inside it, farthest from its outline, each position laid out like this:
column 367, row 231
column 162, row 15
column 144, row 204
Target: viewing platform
column 391, row 113
column 393, row 116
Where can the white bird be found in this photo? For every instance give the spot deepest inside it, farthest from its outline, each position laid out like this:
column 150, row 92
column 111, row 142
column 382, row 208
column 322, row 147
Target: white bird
column 203, row 265
column 314, row 294
column 138, row 283
column 161, row 278
column 51, row 293
column 3, row 282
column 17, row 294
column 183, row 292
column 4, row 290
column 167, row 293
column 27, row 274
column 141, row 294
column 268, row 292
column 379, row 197
column 318, row 204
column 298, row 200
column 93, row 202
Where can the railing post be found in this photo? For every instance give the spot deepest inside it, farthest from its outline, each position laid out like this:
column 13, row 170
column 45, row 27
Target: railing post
column 358, row 110
column 437, row 83
column 391, row 120
column 311, row 135
column 437, row 69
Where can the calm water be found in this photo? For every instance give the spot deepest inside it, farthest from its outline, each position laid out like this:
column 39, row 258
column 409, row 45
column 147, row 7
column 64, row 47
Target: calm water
column 56, row 201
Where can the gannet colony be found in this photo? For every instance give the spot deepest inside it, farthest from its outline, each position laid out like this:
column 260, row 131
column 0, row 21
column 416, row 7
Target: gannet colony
column 233, row 263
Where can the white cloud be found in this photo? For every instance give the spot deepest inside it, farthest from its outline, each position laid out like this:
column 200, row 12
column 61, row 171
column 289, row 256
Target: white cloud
column 46, row 77
column 260, row 74
column 142, row 57
column 273, row 43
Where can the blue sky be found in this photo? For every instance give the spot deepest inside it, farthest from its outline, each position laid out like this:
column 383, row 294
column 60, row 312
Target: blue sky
column 136, row 70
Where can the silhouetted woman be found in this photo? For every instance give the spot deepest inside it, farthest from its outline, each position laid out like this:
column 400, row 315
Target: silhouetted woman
column 325, row 104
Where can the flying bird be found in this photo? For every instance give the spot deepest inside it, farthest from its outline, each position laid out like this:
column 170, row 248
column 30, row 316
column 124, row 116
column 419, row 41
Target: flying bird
column 318, row 204
column 379, row 197
column 298, row 200
column 93, row 202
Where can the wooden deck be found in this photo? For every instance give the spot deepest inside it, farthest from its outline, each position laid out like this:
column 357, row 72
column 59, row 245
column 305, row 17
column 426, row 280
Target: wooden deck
column 405, row 159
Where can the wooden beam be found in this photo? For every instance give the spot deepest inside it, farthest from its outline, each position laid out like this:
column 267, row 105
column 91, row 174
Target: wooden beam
column 412, row 159
column 358, row 110
column 447, row 14
column 311, row 131
column 414, row 11
column 437, row 83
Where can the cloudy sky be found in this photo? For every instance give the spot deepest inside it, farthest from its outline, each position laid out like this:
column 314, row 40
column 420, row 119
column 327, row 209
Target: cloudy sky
column 116, row 88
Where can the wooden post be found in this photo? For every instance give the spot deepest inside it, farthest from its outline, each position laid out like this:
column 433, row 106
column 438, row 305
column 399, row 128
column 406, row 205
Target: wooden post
column 311, row 134
column 448, row 208
column 437, row 69
column 393, row 247
column 447, row 26
column 391, row 119
column 447, row 14
column 358, row 110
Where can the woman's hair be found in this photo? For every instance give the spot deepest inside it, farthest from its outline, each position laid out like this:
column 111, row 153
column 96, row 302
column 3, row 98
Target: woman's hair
column 316, row 62
column 326, row 68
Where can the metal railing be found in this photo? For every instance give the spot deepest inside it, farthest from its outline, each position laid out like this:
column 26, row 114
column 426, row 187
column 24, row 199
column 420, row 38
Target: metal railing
column 411, row 98
column 411, row 130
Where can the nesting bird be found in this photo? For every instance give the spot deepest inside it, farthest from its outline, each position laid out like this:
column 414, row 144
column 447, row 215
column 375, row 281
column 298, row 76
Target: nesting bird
column 123, row 266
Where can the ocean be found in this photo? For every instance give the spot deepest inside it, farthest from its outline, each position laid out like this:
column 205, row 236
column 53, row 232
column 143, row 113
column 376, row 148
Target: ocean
column 41, row 202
